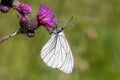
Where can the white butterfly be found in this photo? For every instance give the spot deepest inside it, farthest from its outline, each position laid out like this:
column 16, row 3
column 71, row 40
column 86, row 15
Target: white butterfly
column 56, row 53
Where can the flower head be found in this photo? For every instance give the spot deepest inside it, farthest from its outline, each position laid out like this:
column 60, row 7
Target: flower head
column 24, row 9
column 28, row 26
column 5, row 5
column 4, row 9
column 46, row 17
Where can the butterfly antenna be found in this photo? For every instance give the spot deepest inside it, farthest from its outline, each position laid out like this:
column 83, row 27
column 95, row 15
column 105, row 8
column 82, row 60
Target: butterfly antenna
column 69, row 22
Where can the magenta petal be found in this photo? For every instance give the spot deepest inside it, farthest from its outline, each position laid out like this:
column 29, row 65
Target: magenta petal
column 25, row 9
column 46, row 17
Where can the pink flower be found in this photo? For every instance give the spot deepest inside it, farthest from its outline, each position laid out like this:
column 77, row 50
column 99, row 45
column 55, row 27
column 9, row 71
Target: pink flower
column 24, row 9
column 46, row 17
column 4, row 9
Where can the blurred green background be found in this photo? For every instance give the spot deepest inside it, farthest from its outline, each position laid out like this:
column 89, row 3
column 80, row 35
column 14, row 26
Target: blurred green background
column 94, row 39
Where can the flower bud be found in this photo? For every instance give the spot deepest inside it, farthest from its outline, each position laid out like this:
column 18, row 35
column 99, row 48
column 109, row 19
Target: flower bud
column 30, row 33
column 4, row 9
column 23, row 20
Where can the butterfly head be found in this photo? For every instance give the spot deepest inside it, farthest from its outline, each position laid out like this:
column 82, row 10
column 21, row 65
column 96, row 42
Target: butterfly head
column 58, row 30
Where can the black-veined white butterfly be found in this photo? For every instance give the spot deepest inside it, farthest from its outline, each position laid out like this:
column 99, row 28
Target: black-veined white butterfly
column 56, row 53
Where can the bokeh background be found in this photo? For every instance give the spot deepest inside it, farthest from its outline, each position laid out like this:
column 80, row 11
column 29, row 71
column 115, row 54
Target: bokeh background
column 94, row 39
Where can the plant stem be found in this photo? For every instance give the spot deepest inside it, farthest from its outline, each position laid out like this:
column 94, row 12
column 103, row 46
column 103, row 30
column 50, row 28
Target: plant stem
column 8, row 36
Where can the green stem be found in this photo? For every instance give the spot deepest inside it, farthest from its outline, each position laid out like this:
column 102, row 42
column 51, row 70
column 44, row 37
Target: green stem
column 8, row 36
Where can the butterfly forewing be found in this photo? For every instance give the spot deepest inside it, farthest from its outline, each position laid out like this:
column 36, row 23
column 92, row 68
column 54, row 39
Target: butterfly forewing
column 56, row 53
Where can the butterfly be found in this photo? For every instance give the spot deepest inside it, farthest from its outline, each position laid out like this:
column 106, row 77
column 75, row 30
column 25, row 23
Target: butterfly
column 56, row 53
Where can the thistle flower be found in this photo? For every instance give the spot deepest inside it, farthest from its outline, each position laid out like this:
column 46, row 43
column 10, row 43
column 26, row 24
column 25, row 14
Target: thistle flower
column 4, row 9
column 5, row 5
column 24, row 9
column 28, row 26
column 46, row 17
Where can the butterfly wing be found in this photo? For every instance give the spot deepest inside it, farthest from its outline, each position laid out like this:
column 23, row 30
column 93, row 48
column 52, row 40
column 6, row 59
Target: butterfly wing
column 56, row 53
